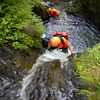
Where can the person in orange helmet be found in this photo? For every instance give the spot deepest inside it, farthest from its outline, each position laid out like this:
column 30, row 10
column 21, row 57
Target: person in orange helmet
column 59, row 42
column 53, row 12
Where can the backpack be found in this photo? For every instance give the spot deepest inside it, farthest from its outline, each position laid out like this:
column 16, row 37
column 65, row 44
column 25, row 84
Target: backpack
column 60, row 34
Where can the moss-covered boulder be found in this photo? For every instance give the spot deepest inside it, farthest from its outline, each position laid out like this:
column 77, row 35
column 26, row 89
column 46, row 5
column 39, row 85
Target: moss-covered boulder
column 74, row 7
column 41, row 11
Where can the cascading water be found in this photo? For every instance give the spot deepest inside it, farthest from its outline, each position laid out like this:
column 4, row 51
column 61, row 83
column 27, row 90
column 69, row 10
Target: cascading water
column 48, row 79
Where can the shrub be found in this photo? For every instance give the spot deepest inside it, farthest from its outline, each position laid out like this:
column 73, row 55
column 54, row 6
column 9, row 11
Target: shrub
column 88, row 68
column 16, row 17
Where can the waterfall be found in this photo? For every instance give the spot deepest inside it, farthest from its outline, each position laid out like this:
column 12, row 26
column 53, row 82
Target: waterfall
column 27, row 83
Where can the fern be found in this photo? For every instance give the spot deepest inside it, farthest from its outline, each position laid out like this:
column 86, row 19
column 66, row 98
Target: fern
column 19, row 25
column 88, row 68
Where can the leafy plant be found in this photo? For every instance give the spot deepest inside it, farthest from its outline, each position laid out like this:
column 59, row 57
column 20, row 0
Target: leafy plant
column 16, row 17
column 70, row 3
column 88, row 68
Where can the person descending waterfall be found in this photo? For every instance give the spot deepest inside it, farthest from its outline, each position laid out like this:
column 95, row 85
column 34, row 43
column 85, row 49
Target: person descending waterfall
column 53, row 12
column 61, row 43
column 45, row 39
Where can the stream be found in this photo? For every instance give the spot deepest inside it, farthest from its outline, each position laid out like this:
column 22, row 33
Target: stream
column 50, row 78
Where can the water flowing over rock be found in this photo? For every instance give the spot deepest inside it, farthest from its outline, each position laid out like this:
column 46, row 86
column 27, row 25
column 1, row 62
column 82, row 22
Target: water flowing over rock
column 48, row 79
column 13, row 65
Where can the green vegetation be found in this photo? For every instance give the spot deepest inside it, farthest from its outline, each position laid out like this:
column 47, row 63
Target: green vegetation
column 70, row 3
column 19, row 26
column 88, row 68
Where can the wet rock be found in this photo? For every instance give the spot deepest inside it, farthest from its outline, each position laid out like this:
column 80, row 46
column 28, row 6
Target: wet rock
column 57, row 63
column 75, row 8
column 41, row 11
column 90, row 8
column 74, row 55
column 13, row 62
column 13, row 65
column 49, row 82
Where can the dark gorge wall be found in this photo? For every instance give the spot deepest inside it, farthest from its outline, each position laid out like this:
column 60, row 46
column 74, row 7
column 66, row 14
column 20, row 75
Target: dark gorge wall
column 90, row 8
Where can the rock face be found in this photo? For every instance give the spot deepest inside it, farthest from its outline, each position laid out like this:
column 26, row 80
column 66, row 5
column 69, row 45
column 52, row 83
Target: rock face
column 13, row 65
column 91, row 9
column 41, row 11
column 14, row 62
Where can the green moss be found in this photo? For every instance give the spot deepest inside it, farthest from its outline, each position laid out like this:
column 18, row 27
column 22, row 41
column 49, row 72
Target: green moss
column 88, row 68
column 90, row 8
column 70, row 3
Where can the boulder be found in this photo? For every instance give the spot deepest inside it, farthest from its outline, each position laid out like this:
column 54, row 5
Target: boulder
column 41, row 10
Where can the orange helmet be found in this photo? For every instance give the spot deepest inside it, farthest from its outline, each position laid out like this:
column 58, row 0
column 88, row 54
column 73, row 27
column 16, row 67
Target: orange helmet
column 49, row 9
column 54, row 41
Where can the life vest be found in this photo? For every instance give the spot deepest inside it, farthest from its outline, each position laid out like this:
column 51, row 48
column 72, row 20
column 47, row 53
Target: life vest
column 64, row 44
column 57, row 42
column 53, row 14
column 60, row 34
column 55, row 11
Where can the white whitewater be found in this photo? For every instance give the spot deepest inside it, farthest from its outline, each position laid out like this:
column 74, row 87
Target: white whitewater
column 47, row 56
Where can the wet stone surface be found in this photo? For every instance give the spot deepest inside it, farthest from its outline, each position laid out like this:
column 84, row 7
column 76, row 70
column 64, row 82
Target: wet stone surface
column 13, row 65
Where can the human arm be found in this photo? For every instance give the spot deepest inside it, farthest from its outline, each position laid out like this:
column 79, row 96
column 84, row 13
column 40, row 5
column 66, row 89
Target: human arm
column 66, row 43
column 70, row 48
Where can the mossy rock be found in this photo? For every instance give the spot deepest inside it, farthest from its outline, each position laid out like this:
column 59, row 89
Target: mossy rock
column 90, row 9
column 41, row 11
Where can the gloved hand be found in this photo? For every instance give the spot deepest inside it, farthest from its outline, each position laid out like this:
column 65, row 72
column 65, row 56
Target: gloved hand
column 72, row 55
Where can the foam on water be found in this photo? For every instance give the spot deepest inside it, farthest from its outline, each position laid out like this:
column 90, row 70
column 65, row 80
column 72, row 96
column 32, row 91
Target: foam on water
column 55, row 54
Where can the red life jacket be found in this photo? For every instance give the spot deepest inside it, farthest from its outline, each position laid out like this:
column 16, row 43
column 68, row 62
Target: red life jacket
column 53, row 14
column 60, row 34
